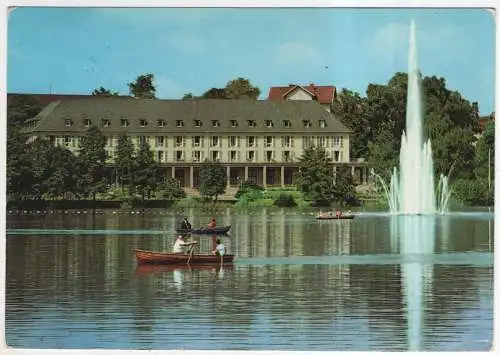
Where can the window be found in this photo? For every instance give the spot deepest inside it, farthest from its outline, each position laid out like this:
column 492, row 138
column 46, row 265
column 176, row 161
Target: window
column 287, row 141
column 216, row 155
column 336, row 141
column 233, row 141
column 87, row 122
column 269, row 156
column 215, row 123
column 322, row 123
column 197, row 123
column 251, row 141
column 308, row 142
column 67, row 141
column 234, row 123
column 52, row 139
column 161, row 155
column 287, row 123
column 215, row 141
column 105, row 123
column 269, row 124
column 197, row 141
column 179, row 141
column 269, row 141
column 109, row 141
column 336, row 155
column 251, row 155
column 233, row 155
column 179, row 123
column 160, row 141
column 179, row 155
column 143, row 123
column 196, row 155
column 142, row 140
column 124, row 122
column 307, row 124
column 160, row 123
column 68, row 122
column 287, row 157
column 251, row 123
column 322, row 141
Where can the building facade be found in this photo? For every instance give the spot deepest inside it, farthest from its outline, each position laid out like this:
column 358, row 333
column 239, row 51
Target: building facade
column 324, row 95
column 259, row 141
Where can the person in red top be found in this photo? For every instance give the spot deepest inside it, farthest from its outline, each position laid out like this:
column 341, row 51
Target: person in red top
column 338, row 214
column 212, row 223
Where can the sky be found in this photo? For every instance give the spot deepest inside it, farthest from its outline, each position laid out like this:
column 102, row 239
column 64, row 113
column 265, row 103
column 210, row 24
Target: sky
column 75, row 50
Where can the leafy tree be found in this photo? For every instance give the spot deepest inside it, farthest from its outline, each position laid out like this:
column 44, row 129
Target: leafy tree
column 124, row 161
column 101, row 91
column 188, row 96
column 40, row 152
column 63, row 175
column 350, row 108
column 315, row 176
column 241, row 88
column 345, row 189
column 146, row 172
column 92, row 157
column 19, row 169
column 171, row 189
column 143, row 87
column 20, row 108
column 214, row 93
column 383, row 153
column 485, row 153
column 248, row 186
column 213, row 178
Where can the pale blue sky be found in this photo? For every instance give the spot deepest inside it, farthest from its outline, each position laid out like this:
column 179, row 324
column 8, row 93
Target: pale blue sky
column 74, row 50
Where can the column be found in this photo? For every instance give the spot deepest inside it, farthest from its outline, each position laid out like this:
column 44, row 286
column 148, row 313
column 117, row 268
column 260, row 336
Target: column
column 228, row 172
column 191, row 176
column 352, row 171
column 264, row 176
column 246, row 173
column 173, row 172
column 282, row 176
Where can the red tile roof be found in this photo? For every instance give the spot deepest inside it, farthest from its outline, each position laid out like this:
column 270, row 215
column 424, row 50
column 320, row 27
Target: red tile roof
column 323, row 94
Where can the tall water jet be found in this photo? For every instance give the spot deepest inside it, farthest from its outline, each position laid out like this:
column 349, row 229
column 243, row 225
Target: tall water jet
column 412, row 190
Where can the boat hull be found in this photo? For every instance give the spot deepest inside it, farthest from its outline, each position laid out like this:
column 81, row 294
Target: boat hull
column 210, row 231
column 335, row 217
column 155, row 257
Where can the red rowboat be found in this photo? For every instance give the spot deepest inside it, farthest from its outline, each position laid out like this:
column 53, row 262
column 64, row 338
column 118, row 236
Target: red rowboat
column 145, row 269
column 156, row 257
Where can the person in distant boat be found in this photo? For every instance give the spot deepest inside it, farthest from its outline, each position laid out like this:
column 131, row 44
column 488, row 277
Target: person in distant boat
column 185, row 224
column 220, row 249
column 212, row 224
column 180, row 244
column 338, row 213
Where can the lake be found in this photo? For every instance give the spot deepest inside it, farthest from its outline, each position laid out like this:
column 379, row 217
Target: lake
column 378, row 282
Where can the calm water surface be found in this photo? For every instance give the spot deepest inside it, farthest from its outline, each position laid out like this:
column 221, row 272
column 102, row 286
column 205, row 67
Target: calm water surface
column 377, row 282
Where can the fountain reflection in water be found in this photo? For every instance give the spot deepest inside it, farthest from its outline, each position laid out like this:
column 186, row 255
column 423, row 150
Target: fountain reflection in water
column 412, row 190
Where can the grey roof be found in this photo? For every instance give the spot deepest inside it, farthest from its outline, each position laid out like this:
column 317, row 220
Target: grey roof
column 52, row 117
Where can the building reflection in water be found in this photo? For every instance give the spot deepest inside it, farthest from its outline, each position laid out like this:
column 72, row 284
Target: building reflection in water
column 415, row 237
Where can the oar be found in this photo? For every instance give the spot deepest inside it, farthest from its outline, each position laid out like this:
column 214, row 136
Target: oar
column 191, row 253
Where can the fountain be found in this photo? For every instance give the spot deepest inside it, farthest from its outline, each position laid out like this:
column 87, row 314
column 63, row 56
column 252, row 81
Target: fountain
column 412, row 190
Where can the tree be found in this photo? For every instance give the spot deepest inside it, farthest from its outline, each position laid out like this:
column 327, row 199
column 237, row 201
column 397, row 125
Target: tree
column 124, row 161
column 241, row 88
column 20, row 108
column 188, row 96
column 485, row 153
column 213, row 178
column 19, row 169
column 103, row 92
column 214, row 93
column 171, row 189
column 92, row 157
column 143, row 87
column 63, row 177
column 345, row 189
column 146, row 172
column 315, row 176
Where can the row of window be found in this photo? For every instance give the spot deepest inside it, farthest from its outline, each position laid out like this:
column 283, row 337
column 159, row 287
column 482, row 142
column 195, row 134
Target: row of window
column 216, row 141
column 125, row 122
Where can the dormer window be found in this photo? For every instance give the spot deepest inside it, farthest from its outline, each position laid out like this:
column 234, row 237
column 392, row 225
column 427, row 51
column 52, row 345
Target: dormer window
column 87, row 122
column 179, row 123
column 234, row 123
column 197, row 123
column 143, row 123
column 251, row 123
column 269, row 124
column 322, row 123
column 287, row 123
column 307, row 124
column 124, row 122
column 215, row 123
column 105, row 123
column 68, row 122
column 161, row 123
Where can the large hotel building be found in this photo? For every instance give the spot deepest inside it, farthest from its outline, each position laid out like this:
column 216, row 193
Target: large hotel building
column 255, row 140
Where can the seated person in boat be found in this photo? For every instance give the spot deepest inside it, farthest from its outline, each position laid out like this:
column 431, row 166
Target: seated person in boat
column 180, row 244
column 338, row 213
column 185, row 224
column 212, row 224
column 220, row 249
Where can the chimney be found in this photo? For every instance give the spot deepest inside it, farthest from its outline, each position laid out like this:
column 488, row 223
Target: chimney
column 291, row 85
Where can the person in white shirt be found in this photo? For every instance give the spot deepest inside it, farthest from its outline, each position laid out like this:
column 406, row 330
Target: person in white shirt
column 220, row 248
column 180, row 244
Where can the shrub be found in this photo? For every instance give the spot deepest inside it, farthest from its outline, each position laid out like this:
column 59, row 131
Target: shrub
column 246, row 187
column 285, row 200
